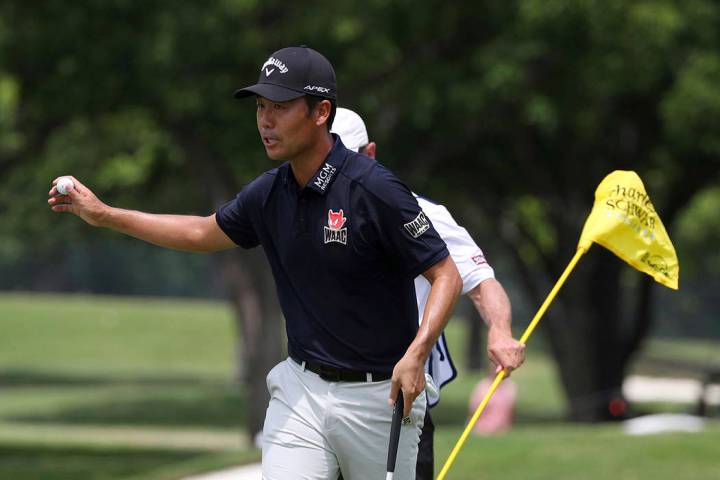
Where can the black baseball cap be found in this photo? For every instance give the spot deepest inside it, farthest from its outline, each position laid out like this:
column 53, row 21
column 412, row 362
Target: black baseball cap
column 291, row 73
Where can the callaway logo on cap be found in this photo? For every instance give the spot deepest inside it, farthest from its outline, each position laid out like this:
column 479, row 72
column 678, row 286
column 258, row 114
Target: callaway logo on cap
column 291, row 73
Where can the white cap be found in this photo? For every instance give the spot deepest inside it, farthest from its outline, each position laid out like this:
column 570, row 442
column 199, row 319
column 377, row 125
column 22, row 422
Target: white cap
column 350, row 128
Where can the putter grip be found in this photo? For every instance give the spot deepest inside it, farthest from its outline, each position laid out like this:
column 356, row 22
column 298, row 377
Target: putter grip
column 395, row 432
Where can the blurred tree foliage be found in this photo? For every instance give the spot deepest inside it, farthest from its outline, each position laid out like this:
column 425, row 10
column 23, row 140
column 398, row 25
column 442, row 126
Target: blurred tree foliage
column 510, row 112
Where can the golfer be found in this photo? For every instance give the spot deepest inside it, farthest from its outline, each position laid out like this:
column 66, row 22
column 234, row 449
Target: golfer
column 479, row 284
column 345, row 239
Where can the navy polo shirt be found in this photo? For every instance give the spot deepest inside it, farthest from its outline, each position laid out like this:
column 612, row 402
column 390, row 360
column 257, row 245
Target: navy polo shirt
column 344, row 251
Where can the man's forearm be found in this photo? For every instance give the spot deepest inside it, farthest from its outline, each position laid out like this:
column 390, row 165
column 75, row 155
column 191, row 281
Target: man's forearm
column 179, row 232
column 444, row 292
column 493, row 305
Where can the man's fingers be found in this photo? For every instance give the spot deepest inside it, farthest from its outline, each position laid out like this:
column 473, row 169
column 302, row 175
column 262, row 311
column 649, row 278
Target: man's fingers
column 502, row 362
column 59, row 199
column 394, row 389
column 72, row 191
column 408, row 401
column 78, row 185
column 60, row 202
column 497, row 360
column 62, row 208
column 508, row 370
column 517, row 356
column 509, row 358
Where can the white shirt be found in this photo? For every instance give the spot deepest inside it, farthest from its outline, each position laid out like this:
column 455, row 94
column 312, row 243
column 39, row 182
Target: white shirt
column 473, row 269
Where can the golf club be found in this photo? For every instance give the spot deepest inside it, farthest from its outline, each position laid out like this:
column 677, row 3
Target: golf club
column 394, row 435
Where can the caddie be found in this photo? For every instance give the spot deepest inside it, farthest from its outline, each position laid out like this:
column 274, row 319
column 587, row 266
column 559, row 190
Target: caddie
column 345, row 239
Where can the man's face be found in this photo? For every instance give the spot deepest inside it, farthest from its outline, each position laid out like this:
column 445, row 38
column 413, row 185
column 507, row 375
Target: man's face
column 285, row 128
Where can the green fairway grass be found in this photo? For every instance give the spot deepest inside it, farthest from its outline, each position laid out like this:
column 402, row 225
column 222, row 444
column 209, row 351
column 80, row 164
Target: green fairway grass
column 44, row 462
column 141, row 389
column 104, row 387
column 582, row 452
column 77, row 336
column 50, row 463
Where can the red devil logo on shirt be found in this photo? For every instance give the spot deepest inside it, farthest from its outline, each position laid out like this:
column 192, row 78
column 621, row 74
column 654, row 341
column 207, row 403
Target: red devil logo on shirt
column 336, row 220
column 335, row 232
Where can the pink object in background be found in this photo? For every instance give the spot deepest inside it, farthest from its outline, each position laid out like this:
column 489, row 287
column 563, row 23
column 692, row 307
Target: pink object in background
column 498, row 414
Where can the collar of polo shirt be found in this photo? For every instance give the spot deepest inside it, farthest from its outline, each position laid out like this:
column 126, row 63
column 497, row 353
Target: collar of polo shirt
column 328, row 171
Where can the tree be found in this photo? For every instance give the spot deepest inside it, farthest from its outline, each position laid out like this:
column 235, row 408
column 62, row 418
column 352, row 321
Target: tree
column 526, row 110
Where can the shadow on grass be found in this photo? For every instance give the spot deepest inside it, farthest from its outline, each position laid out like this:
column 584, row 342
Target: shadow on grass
column 34, row 378
column 62, row 463
column 201, row 407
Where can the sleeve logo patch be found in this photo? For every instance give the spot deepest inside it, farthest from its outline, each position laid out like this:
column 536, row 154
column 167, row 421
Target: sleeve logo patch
column 479, row 259
column 417, row 227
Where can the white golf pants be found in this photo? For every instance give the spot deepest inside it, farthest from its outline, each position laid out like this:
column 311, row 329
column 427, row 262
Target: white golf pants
column 315, row 429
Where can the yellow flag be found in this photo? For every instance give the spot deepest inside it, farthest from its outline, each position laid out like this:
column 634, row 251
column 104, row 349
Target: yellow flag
column 624, row 221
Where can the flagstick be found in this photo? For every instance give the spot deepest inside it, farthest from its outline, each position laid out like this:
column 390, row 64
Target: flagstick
column 528, row 331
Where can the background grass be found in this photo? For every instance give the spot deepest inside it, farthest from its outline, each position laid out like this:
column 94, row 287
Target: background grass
column 101, row 388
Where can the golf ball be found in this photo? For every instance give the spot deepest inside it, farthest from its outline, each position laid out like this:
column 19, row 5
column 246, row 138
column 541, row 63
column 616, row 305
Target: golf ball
column 63, row 184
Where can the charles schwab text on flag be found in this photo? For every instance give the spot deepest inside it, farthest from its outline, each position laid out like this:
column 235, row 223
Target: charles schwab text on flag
column 624, row 221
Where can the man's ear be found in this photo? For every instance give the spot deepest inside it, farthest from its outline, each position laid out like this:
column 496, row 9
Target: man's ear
column 322, row 110
column 371, row 149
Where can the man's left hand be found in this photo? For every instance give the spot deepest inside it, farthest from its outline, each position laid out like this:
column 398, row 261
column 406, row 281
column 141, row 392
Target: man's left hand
column 504, row 351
